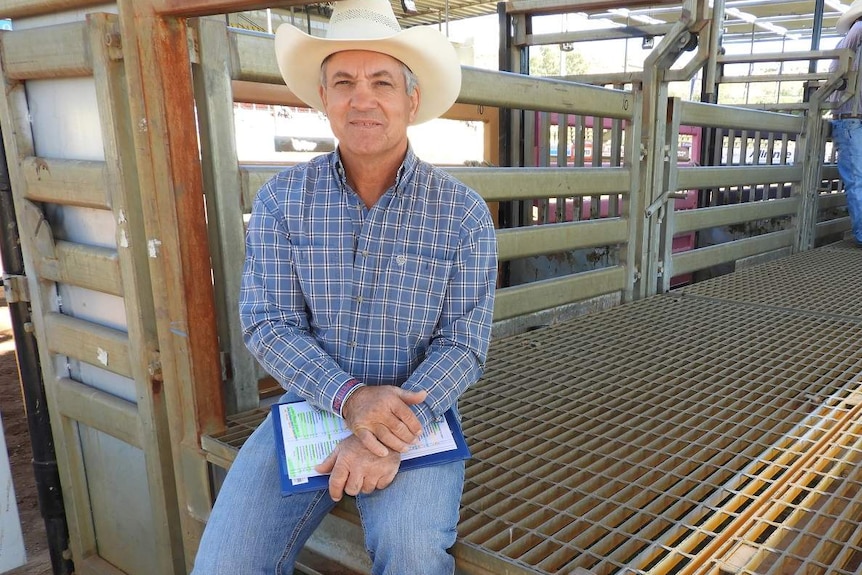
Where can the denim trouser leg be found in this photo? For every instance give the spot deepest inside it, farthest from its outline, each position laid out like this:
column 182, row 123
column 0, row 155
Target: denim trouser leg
column 254, row 530
column 416, row 537
column 847, row 135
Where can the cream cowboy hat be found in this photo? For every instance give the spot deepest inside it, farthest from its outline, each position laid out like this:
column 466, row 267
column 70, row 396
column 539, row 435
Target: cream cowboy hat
column 371, row 25
column 846, row 20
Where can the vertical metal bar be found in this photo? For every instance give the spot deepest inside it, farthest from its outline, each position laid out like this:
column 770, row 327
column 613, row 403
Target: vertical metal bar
column 562, row 160
column 221, row 175
column 615, row 161
column 816, row 33
column 543, row 151
column 672, row 142
column 579, row 146
column 596, row 143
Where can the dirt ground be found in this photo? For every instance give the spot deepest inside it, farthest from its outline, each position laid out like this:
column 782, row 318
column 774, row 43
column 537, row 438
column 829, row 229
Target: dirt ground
column 20, row 456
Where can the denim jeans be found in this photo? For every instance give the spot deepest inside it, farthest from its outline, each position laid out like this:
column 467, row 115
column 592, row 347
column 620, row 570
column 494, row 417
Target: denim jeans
column 847, row 135
column 254, row 530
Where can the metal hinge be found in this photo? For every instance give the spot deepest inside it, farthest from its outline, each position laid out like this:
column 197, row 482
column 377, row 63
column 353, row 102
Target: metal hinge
column 16, row 289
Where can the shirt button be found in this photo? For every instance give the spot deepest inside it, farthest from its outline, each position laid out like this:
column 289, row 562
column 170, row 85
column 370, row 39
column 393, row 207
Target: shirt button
column 365, row 253
column 351, row 343
column 359, row 299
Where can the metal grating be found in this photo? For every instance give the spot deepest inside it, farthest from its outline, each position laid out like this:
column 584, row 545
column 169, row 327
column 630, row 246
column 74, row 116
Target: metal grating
column 630, row 440
column 825, row 280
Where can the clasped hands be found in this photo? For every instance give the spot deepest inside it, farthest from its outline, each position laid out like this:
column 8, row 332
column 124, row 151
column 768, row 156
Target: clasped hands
column 383, row 427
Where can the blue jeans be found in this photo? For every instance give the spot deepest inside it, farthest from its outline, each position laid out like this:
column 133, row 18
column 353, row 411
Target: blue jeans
column 254, row 530
column 847, row 135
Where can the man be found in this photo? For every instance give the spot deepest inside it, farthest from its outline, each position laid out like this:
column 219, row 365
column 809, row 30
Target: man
column 847, row 123
column 368, row 291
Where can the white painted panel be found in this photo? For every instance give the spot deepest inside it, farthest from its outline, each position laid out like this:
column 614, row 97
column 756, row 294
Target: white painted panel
column 89, row 226
column 97, row 307
column 101, row 379
column 121, row 505
column 61, row 17
column 65, row 118
column 12, row 553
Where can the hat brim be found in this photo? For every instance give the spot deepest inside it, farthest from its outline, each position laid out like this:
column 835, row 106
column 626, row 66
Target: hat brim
column 846, row 20
column 428, row 54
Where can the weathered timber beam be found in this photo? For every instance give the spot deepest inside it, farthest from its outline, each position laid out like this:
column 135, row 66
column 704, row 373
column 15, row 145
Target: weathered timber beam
column 100, row 410
column 90, row 267
column 89, row 342
column 67, row 182
column 28, row 8
column 210, row 7
column 50, row 52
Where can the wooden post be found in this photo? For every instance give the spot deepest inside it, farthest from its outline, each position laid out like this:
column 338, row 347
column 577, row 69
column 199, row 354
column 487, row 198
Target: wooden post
column 169, row 175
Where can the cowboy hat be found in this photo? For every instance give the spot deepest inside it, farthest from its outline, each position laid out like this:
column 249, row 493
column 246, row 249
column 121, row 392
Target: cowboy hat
column 371, row 25
column 846, row 20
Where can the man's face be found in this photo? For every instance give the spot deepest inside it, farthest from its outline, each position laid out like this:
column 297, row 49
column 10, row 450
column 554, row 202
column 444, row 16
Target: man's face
column 365, row 98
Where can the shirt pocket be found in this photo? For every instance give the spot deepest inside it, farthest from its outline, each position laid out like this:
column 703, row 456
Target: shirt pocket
column 321, row 277
column 411, row 290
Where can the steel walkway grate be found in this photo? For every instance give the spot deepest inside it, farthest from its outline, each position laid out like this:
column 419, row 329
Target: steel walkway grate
column 825, row 280
column 627, row 441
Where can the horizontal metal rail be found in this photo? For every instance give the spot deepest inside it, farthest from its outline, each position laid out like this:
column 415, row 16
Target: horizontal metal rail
column 253, row 59
column 702, row 218
column 727, row 176
column 701, row 258
column 496, row 184
column 544, row 294
column 555, row 238
column 717, row 116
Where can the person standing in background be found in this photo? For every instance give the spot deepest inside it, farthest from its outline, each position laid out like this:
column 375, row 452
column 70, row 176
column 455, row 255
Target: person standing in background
column 847, row 122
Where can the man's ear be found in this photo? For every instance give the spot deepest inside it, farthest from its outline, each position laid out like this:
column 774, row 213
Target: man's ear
column 321, row 91
column 415, row 98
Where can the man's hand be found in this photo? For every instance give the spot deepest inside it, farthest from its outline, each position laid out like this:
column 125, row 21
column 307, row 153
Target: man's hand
column 380, row 416
column 354, row 469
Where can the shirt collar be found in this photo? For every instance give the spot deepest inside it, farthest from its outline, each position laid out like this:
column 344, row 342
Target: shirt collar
column 401, row 178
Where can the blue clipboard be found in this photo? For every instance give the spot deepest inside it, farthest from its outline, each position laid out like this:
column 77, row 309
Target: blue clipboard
column 291, row 485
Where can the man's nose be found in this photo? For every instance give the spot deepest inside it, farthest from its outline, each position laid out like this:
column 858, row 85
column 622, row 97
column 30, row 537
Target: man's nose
column 363, row 96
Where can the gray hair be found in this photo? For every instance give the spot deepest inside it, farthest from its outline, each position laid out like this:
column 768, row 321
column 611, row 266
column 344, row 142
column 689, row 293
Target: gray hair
column 410, row 79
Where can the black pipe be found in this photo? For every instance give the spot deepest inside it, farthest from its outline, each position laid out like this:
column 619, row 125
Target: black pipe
column 816, row 33
column 45, row 468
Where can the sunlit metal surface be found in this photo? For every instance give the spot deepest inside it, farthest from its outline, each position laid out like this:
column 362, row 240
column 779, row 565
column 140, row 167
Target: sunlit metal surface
column 632, row 440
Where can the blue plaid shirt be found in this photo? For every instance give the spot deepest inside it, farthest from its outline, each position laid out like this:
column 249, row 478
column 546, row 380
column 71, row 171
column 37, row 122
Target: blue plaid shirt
column 336, row 295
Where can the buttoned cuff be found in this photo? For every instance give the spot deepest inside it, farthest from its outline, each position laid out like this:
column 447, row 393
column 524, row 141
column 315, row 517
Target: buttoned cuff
column 343, row 394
